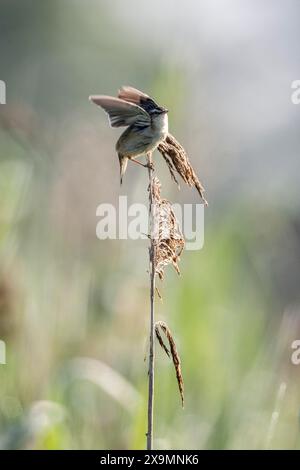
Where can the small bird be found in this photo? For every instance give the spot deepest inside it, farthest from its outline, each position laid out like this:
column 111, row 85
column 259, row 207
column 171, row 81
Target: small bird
column 146, row 122
column 147, row 129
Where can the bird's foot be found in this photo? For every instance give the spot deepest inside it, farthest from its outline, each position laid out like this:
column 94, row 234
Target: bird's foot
column 150, row 166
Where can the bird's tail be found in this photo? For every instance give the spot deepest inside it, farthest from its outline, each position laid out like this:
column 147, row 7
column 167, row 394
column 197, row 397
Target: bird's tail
column 123, row 165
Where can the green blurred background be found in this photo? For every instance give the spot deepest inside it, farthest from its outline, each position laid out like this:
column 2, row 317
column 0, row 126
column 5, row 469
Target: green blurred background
column 73, row 309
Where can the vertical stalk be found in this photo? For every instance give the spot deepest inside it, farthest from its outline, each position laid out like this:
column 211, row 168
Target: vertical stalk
column 152, row 295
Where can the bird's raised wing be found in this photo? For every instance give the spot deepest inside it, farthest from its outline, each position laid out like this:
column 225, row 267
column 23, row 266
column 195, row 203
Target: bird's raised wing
column 122, row 113
column 132, row 95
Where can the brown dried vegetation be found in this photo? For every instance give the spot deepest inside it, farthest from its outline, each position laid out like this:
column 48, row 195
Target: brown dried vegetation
column 178, row 161
column 172, row 352
column 169, row 241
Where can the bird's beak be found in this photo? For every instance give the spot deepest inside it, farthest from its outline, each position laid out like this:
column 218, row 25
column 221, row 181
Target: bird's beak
column 164, row 110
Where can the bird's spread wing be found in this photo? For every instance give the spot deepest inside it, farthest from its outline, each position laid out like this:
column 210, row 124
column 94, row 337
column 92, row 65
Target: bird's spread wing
column 122, row 113
column 132, row 95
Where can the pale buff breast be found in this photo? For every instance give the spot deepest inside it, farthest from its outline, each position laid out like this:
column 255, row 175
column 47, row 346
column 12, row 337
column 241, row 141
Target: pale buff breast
column 160, row 126
column 134, row 142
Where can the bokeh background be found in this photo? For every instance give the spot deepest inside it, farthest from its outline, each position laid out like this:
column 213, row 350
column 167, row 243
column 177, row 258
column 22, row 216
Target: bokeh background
column 73, row 309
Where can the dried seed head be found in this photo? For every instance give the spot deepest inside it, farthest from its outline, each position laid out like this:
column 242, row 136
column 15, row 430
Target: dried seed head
column 177, row 160
column 169, row 241
column 173, row 351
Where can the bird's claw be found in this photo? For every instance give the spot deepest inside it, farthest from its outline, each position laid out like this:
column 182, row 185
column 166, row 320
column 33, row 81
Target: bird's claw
column 150, row 166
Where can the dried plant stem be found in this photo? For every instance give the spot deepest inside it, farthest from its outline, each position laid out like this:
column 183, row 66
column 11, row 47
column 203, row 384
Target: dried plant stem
column 152, row 296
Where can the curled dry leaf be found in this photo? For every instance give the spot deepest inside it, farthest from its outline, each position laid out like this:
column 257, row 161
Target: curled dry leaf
column 177, row 160
column 169, row 241
column 173, row 351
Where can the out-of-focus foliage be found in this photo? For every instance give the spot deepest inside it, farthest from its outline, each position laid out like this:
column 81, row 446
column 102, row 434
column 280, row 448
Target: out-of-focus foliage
column 73, row 309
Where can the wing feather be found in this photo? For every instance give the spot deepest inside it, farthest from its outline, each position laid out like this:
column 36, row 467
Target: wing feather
column 120, row 112
column 132, row 95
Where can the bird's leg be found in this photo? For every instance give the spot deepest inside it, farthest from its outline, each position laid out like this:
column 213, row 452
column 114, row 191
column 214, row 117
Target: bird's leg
column 138, row 163
column 147, row 165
